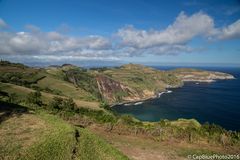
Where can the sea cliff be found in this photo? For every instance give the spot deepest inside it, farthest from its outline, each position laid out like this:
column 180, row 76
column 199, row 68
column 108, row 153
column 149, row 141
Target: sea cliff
column 134, row 83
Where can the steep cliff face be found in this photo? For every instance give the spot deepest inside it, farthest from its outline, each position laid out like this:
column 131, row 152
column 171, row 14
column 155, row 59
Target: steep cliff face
column 84, row 80
column 114, row 91
column 134, row 82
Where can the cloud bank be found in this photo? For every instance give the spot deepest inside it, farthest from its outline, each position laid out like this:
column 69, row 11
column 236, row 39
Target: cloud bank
column 128, row 41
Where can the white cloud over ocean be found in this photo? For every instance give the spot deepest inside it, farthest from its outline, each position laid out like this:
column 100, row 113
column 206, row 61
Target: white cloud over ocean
column 128, row 41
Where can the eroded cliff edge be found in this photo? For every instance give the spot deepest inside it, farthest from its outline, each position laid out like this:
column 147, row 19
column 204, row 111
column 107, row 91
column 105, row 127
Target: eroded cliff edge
column 133, row 82
column 136, row 82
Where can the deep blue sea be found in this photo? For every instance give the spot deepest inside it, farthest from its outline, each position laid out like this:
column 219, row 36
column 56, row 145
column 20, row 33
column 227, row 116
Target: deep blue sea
column 217, row 102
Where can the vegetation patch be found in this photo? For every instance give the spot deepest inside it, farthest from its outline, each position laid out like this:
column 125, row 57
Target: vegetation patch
column 93, row 147
column 38, row 135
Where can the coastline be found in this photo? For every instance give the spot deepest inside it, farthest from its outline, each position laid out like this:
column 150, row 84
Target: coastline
column 158, row 95
column 140, row 101
column 134, row 101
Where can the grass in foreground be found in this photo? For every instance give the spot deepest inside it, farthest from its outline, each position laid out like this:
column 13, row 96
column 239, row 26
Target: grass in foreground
column 93, row 147
column 38, row 135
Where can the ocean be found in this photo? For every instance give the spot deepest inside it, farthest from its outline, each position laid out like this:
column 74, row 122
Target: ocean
column 217, row 102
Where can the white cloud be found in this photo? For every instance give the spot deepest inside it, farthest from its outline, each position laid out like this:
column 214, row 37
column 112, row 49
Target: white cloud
column 20, row 43
column 175, row 38
column 72, row 58
column 230, row 32
column 51, row 43
column 3, row 24
column 181, row 31
column 157, row 50
column 32, row 28
column 172, row 40
column 131, row 41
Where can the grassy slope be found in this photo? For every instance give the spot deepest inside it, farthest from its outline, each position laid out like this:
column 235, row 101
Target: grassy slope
column 22, row 93
column 142, row 78
column 42, row 136
column 140, row 147
column 36, row 136
column 48, row 133
column 66, row 88
column 46, row 79
column 92, row 147
column 20, row 74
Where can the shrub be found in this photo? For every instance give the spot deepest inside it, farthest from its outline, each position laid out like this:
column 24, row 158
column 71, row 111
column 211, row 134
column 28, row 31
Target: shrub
column 119, row 95
column 127, row 119
column 61, row 104
column 99, row 116
column 55, row 103
column 35, row 98
column 105, row 105
column 163, row 123
column 212, row 129
column 12, row 98
column 69, row 104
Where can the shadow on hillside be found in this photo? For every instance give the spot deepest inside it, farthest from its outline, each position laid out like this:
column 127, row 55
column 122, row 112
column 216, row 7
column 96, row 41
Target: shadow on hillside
column 7, row 110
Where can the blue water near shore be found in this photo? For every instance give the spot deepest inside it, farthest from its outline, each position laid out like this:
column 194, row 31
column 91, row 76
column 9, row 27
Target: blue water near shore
column 217, row 102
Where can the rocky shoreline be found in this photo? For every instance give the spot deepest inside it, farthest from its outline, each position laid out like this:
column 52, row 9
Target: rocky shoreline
column 134, row 101
column 137, row 102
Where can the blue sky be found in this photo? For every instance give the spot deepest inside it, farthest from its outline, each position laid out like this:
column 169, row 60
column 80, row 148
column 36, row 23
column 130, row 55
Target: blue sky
column 137, row 31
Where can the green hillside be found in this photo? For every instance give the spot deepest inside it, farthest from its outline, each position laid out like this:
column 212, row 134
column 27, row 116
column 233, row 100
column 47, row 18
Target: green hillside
column 63, row 112
column 141, row 77
column 27, row 134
